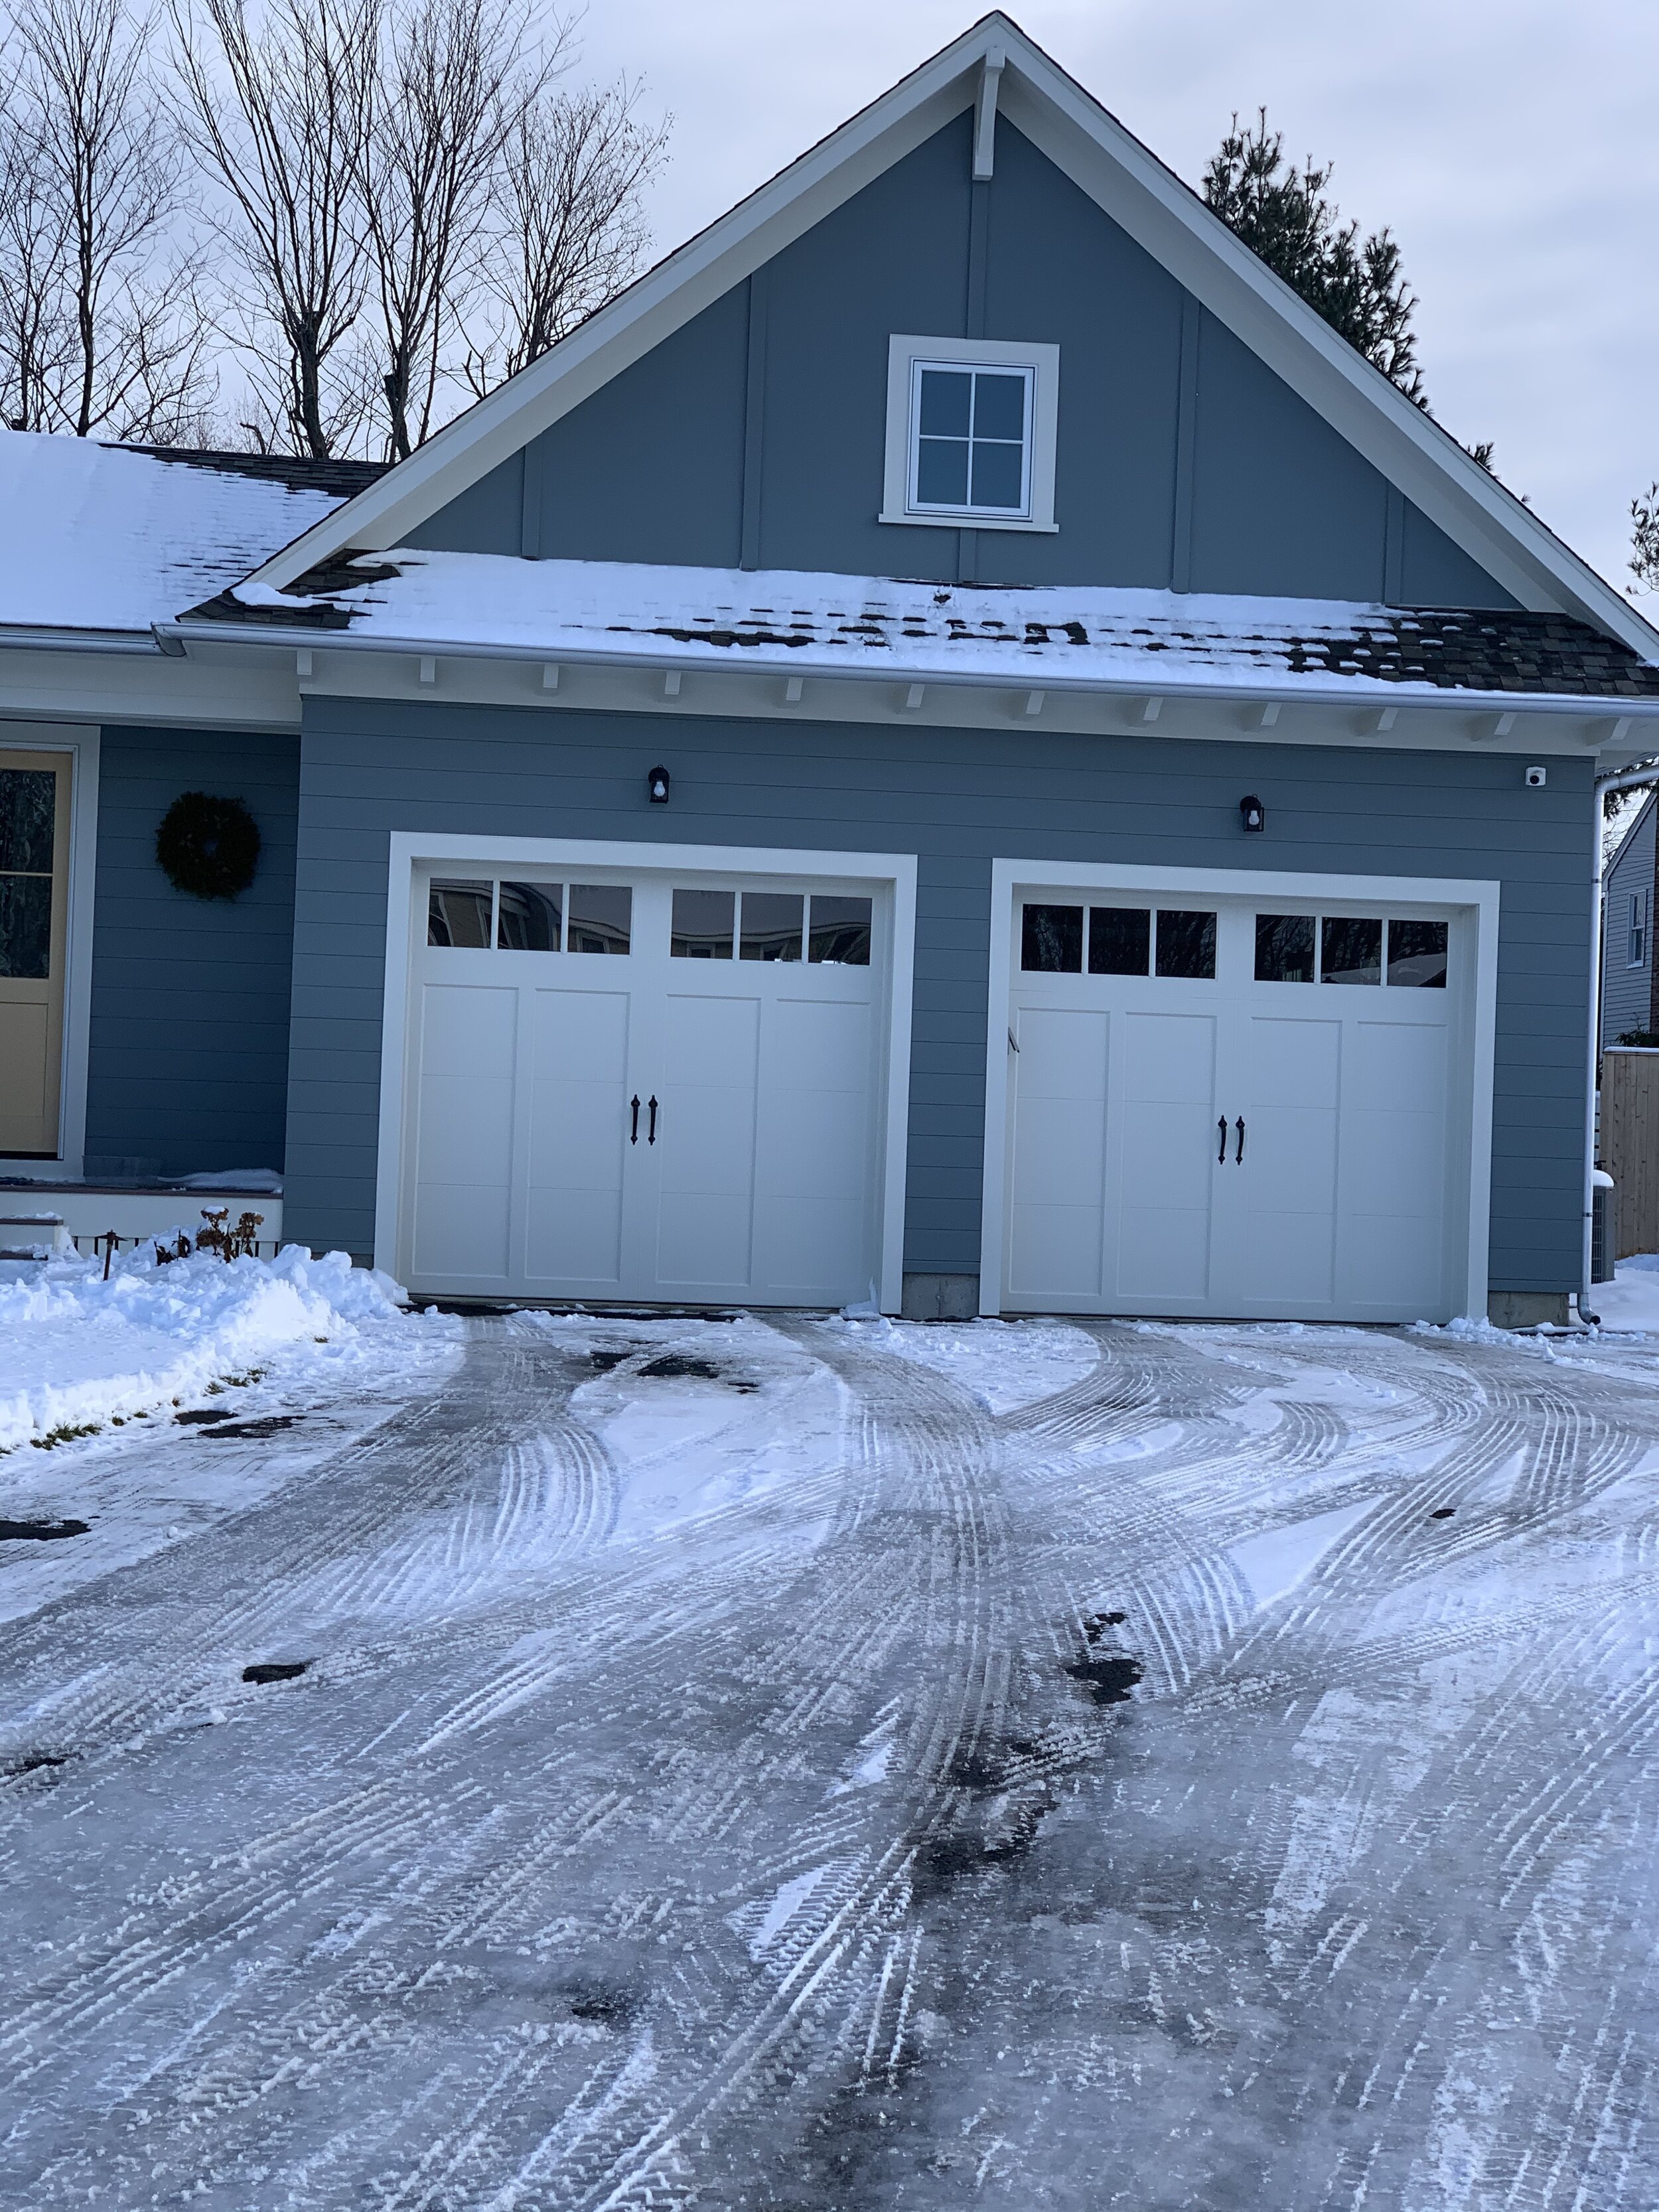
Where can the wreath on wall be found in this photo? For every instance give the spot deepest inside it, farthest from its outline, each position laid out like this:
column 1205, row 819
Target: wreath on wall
column 208, row 846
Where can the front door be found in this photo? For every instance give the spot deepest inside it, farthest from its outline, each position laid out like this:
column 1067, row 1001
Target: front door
column 646, row 1087
column 1221, row 1107
column 34, row 818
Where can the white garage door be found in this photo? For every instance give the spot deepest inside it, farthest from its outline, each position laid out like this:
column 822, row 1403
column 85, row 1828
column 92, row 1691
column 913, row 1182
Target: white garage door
column 637, row 1087
column 1225, row 1108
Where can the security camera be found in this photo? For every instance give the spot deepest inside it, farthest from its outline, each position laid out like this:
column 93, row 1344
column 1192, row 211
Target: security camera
column 1535, row 779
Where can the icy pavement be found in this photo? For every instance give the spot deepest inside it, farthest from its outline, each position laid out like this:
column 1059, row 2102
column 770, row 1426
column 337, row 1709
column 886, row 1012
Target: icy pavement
column 822, row 1764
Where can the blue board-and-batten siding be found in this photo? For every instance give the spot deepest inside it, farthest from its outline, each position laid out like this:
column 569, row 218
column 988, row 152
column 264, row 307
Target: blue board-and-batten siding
column 956, row 798
column 755, row 435
column 187, row 1064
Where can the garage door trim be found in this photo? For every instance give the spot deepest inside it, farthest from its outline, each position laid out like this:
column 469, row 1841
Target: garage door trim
column 892, row 873
column 1475, row 901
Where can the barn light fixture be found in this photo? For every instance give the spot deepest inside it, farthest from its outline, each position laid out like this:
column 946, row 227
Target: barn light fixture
column 1252, row 814
column 657, row 785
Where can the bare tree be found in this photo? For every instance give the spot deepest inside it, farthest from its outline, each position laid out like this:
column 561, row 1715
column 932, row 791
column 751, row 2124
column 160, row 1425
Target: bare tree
column 1644, row 538
column 278, row 117
column 451, row 85
column 101, row 329
column 573, row 231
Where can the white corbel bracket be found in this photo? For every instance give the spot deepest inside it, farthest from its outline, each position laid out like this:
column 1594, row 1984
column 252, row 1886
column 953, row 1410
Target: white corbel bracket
column 1034, row 703
column 302, row 662
column 985, row 116
column 1485, row 727
column 1261, row 717
column 1379, row 721
column 791, row 690
column 549, row 676
column 670, row 683
column 913, row 697
column 1145, row 710
column 1613, row 731
column 428, row 670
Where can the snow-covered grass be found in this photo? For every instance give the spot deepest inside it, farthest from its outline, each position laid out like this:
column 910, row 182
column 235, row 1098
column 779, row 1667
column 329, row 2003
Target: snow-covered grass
column 77, row 1352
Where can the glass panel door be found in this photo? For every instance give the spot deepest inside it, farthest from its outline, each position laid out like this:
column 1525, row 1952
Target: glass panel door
column 34, row 792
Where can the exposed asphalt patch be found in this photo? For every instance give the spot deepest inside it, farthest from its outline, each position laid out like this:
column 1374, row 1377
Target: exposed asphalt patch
column 1107, row 1679
column 266, row 1424
column 32, row 1762
column 605, row 2007
column 40, row 1532
column 1442, row 1513
column 197, row 1416
column 673, row 1364
column 1097, row 1623
column 275, row 1671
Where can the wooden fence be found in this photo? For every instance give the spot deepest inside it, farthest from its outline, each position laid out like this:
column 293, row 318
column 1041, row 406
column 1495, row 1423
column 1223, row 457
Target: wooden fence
column 1630, row 1142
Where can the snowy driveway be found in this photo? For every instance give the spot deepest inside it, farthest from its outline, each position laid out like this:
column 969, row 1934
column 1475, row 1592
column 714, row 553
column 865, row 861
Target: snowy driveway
column 1018, row 1766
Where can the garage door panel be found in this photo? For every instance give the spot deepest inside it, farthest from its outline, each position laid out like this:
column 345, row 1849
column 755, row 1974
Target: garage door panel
column 468, row 1028
column 819, row 1045
column 811, row 1247
column 574, row 1234
column 1164, row 1254
column 1055, row 1252
column 813, row 1145
column 1395, row 1162
column 1061, row 1155
column 1063, row 1054
column 1169, row 1060
column 461, row 1231
column 1293, row 1063
column 703, row 1242
column 1291, row 1257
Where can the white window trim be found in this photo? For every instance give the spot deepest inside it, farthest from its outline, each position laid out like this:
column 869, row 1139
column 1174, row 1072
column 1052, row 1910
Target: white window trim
column 1043, row 363
column 1475, row 900
column 80, row 743
column 894, row 873
column 1636, row 941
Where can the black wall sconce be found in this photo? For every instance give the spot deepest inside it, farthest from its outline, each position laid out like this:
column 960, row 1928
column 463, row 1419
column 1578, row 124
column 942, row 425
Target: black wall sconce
column 1252, row 814
column 656, row 785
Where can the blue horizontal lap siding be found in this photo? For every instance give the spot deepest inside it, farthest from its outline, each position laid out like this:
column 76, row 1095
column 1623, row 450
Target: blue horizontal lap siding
column 1627, row 991
column 958, row 798
column 188, row 1050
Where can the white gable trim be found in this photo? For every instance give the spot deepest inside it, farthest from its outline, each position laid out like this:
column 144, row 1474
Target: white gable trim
column 1135, row 189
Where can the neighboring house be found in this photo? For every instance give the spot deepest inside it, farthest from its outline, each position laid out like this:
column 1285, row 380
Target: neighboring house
column 1627, row 995
column 954, row 743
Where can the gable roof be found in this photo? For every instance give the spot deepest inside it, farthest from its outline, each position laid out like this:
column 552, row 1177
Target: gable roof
column 995, row 63
column 115, row 539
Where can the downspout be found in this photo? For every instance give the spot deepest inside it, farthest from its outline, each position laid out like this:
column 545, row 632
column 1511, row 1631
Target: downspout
column 1630, row 779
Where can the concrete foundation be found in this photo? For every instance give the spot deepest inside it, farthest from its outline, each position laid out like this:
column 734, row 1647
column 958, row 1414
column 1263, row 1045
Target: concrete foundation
column 940, row 1297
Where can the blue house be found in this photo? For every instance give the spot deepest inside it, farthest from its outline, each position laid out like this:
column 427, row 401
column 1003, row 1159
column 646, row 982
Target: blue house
column 1628, row 1006
column 954, row 746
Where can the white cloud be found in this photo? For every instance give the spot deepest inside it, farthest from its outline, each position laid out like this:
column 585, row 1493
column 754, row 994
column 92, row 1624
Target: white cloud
column 1508, row 143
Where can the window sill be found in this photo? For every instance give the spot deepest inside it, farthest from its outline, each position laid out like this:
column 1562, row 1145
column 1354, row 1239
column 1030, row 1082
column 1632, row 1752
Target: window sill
column 968, row 522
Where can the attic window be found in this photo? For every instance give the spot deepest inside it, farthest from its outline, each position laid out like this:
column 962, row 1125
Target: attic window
column 971, row 432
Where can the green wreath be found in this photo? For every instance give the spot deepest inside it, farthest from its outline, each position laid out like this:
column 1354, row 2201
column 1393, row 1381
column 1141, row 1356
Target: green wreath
column 208, row 846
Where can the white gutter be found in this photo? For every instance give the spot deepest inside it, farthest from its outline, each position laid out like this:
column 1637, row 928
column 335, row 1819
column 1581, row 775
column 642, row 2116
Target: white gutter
column 1631, row 778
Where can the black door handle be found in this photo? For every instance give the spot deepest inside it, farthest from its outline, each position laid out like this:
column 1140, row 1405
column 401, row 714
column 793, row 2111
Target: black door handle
column 1221, row 1154
column 633, row 1134
column 650, row 1138
column 1238, row 1156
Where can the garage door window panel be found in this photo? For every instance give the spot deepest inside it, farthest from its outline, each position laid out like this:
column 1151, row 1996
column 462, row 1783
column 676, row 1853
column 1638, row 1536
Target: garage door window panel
column 459, row 915
column 1185, row 944
column 529, row 917
column 1051, row 940
column 1417, row 954
column 773, row 922
column 1285, row 948
column 1119, row 940
column 1350, row 950
column 704, row 924
column 838, row 931
column 600, row 919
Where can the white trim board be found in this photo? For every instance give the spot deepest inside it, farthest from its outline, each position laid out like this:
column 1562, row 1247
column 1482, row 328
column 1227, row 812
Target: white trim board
column 82, row 745
column 1476, row 898
column 1108, row 163
column 894, row 873
column 1041, row 361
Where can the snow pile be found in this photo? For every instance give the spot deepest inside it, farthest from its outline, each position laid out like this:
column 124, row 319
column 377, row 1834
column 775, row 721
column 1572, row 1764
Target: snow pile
column 1631, row 1301
column 77, row 1350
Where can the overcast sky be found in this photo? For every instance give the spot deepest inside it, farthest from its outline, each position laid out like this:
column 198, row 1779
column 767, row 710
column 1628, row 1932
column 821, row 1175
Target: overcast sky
column 1509, row 143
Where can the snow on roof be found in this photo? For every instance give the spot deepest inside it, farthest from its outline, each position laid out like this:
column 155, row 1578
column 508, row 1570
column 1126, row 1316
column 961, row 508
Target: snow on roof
column 483, row 601
column 103, row 537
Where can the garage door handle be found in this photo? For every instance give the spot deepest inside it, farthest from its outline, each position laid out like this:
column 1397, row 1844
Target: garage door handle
column 633, row 1134
column 1221, row 1149
column 652, row 1137
column 1238, row 1156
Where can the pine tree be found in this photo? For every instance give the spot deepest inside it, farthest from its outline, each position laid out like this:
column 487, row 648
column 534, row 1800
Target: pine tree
column 1285, row 215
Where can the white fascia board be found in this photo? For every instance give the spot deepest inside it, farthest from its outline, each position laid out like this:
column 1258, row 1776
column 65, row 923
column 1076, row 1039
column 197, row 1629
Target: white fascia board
column 1423, row 460
column 61, row 681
